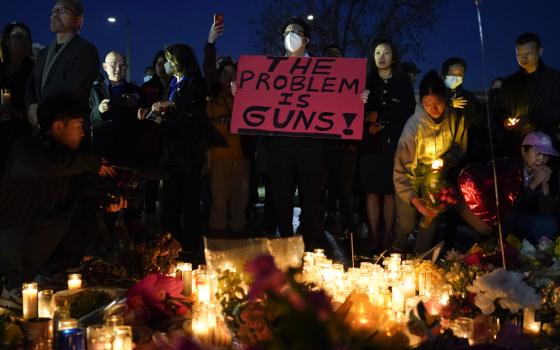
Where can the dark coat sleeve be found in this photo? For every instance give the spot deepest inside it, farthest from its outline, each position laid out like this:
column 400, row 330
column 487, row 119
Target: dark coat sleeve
column 28, row 160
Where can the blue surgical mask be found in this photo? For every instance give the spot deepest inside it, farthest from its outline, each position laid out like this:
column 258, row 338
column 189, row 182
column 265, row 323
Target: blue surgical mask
column 147, row 78
column 453, row 81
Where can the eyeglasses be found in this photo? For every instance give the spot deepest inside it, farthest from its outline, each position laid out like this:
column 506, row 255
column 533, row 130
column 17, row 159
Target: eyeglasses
column 61, row 10
column 116, row 64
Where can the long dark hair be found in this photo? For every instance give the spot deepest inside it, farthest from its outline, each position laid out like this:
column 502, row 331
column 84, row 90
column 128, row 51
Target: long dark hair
column 6, row 35
column 372, row 70
column 184, row 57
column 432, row 84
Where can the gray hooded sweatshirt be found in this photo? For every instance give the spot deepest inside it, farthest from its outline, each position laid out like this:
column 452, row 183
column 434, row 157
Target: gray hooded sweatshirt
column 423, row 141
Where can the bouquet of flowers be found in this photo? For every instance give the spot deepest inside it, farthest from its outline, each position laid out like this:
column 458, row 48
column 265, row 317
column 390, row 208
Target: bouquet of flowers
column 438, row 200
column 505, row 289
column 129, row 262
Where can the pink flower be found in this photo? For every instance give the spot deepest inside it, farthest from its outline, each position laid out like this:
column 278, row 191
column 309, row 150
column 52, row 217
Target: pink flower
column 266, row 277
column 160, row 293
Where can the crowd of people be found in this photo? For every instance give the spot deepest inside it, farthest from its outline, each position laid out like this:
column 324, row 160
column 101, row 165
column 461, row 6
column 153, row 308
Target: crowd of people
column 71, row 124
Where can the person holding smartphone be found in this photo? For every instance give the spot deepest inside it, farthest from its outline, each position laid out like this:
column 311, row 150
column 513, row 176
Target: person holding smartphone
column 390, row 104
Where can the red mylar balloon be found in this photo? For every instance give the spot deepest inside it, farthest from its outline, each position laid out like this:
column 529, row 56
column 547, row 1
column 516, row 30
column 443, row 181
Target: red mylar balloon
column 476, row 183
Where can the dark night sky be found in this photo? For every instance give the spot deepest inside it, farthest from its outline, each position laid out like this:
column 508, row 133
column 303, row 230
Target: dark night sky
column 155, row 23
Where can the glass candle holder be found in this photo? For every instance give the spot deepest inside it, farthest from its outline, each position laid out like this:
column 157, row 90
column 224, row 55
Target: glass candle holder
column 122, row 338
column 464, row 328
column 70, row 336
column 5, row 97
column 531, row 321
column 74, row 281
column 99, row 337
column 425, row 283
column 398, row 297
column 186, row 275
column 46, row 303
column 29, row 298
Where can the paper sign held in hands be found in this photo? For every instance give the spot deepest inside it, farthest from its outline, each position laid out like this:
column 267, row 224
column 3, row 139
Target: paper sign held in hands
column 299, row 97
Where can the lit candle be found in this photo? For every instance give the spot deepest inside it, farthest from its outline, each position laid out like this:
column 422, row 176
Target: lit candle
column 204, row 322
column 99, row 337
column 531, row 321
column 186, row 276
column 74, row 281
column 437, row 164
column 425, row 283
column 409, row 281
column 398, row 297
column 46, row 303
column 464, row 328
column 122, row 338
column 29, row 297
column 6, row 97
column 446, row 291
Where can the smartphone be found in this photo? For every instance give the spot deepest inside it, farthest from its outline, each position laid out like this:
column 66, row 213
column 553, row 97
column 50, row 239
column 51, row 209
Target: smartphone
column 219, row 18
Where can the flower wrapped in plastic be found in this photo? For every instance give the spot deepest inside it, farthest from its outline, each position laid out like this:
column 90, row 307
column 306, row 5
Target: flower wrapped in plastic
column 504, row 288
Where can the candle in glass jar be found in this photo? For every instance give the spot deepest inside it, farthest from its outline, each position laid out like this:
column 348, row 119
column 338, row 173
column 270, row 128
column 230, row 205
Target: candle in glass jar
column 398, row 297
column 29, row 298
column 122, row 338
column 74, row 281
column 446, row 292
column 6, row 97
column 409, row 281
column 186, row 276
column 425, row 283
column 531, row 323
column 46, row 303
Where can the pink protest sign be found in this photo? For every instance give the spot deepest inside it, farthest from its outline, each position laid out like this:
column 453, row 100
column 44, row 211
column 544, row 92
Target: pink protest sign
column 299, row 96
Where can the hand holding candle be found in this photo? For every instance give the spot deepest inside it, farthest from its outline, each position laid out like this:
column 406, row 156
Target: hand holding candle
column 437, row 164
column 512, row 122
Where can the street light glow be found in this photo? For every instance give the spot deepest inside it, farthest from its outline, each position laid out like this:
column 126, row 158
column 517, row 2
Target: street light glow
column 310, row 17
column 111, row 19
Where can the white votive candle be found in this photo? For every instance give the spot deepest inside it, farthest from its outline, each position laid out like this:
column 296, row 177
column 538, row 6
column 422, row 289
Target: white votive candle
column 74, row 281
column 29, row 298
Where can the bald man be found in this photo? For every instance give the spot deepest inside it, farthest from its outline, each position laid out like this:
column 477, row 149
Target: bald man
column 113, row 103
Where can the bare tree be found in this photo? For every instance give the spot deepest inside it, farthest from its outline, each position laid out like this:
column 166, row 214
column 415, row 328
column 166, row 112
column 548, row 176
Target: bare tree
column 351, row 24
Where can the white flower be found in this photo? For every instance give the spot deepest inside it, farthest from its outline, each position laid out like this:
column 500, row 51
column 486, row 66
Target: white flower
column 506, row 287
column 453, row 255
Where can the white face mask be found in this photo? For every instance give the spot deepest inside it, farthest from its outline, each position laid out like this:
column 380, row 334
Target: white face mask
column 169, row 68
column 147, row 78
column 452, row 81
column 292, row 42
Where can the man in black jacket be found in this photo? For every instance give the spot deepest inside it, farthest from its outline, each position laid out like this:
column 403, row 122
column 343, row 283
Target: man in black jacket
column 114, row 104
column 69, row 65
column 529, row 98
column 42, row 188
